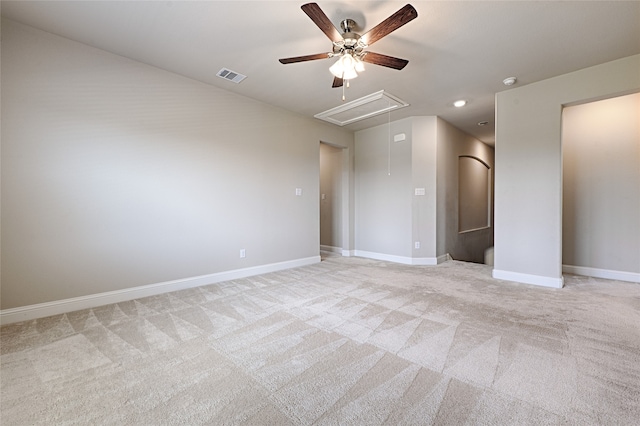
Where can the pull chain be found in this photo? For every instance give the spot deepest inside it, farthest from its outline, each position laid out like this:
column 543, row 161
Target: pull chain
column 345, row 83
column 389, row 140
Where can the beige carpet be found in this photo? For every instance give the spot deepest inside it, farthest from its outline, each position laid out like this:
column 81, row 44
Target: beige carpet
column 346, row 341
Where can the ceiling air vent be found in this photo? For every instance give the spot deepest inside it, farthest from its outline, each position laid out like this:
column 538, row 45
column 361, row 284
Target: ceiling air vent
column 233, row 76
column 360, row 109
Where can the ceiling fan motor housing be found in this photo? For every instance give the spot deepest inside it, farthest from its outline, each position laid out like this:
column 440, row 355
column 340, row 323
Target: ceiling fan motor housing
column 351, row 42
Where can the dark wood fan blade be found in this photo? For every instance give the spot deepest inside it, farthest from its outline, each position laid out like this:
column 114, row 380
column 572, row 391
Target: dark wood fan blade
column 337, row 82
column 384, row 60
column 320, row 19
column 304, row 58
column 392, row 23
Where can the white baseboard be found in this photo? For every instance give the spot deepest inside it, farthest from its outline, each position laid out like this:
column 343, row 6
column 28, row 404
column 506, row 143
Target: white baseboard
column 41, row 310
column 528, row 278
column 331, row 249
column 430, row 261
column 602, row 273
column 348, row 253
column 405, row 260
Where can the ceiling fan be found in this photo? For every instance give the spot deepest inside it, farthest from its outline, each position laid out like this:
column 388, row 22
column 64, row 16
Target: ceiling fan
column 350, row 47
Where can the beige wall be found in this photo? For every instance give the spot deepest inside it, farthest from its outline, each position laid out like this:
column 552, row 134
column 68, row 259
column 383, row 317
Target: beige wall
column 424, row 166
column 116, row 174
column 601, row 186
column 383, row 190
column 528, row 187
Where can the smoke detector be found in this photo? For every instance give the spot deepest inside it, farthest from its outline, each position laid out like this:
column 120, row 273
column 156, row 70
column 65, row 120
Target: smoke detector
column 509, row 81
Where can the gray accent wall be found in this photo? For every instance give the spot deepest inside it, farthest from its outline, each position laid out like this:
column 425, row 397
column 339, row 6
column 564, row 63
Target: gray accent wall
column 116, row 174
column 452, row 144
column 528, row 216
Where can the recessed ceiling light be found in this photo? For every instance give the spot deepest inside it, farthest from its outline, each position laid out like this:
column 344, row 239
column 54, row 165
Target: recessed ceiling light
column 460, row 103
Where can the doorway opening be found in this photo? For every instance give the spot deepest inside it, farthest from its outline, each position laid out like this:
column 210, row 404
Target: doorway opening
column 601, row 188
column 332, row 201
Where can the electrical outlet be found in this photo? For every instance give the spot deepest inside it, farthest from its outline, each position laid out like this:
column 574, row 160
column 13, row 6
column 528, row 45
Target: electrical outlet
column 417, row 244
column 243, row 253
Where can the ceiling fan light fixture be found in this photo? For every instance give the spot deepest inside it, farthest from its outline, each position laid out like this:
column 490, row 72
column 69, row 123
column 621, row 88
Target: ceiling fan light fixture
column 337, row 68
column 349, row 74
column 347, row 67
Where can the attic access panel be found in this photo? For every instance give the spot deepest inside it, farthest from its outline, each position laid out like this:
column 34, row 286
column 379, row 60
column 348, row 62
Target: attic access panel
column 363, row 108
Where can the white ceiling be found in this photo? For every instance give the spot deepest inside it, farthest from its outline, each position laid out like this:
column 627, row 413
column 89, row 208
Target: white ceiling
column 456, row 50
